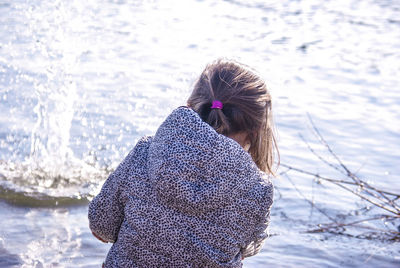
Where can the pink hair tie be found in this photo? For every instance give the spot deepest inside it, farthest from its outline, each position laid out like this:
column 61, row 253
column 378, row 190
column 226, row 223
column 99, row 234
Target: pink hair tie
column 217, row 105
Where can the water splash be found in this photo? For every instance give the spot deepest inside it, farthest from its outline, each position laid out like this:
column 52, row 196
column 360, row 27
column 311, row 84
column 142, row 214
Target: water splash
column 51, row 173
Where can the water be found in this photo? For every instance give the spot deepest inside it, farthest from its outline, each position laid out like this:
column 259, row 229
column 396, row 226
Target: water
column 81, row 82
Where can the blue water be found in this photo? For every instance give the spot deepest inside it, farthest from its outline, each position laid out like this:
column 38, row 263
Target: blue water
column 82, row 81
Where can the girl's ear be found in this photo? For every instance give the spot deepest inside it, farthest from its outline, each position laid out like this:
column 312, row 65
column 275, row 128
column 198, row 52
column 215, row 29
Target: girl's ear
column 242, row 138
column 246, row 147
column 251, row 136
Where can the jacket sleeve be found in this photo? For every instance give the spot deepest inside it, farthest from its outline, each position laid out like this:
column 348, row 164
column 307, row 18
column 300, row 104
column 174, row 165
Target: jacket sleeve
column 260, row 232
column 260, row 235
column 105, row 210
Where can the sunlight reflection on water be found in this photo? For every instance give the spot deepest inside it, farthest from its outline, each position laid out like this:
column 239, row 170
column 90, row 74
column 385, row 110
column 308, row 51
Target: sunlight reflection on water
column 82, row 81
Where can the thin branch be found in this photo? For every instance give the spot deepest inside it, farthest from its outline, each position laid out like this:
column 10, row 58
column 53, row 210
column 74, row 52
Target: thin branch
column 355, row 223
column 349, row 173
column 322, row 140
column 318, row 156
column 381, row 217
column 397, row 196
column 348, row 189
column 310, row 202
column 385, row 200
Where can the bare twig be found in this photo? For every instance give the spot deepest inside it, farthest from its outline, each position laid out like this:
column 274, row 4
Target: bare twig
column 397, row 196
column 309, row 201
column 349, row 173
column 325, row 227
column 383, row 199
column 320, row 157
column 395, row 210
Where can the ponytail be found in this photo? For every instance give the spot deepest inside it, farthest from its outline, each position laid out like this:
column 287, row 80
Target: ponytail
column 217, row 119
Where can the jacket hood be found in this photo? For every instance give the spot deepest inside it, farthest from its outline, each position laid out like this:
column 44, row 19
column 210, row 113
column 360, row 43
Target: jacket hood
column 194, row 169
column 185, row 197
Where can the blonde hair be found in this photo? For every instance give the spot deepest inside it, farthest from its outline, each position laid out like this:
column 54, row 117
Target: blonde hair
column 246, row 107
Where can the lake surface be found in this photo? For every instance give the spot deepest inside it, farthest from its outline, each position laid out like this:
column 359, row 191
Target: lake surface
column 82, row 81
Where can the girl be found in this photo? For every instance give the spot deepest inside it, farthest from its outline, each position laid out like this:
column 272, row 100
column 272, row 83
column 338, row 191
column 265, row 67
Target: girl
column 197, row 193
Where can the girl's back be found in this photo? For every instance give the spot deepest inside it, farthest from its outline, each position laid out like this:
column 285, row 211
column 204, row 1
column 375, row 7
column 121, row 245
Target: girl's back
column 186, row 197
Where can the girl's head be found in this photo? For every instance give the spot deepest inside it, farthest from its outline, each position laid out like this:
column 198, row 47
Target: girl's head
column 246, row 114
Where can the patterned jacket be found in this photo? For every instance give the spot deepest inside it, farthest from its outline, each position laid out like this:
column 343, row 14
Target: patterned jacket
column 187, row 197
